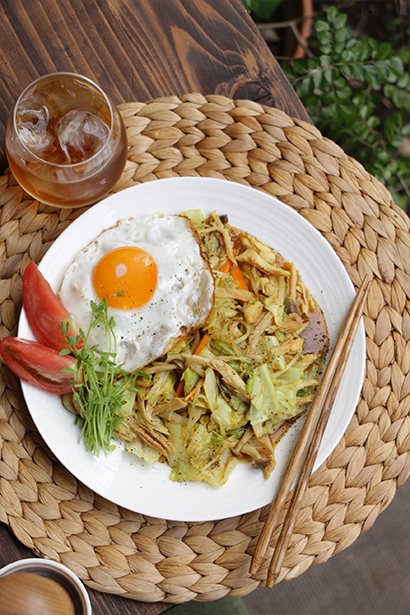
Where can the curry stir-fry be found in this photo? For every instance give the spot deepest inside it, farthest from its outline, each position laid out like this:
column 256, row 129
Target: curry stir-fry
column 228, row 392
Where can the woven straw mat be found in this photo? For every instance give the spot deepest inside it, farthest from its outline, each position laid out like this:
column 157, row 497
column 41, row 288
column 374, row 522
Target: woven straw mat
column 120, row 552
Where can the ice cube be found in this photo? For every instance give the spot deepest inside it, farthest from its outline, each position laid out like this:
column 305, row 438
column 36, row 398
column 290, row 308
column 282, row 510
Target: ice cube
column 32, row 128
column 81, row 134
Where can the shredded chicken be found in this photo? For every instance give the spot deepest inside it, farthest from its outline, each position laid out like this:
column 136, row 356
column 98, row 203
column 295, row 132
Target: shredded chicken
column 231, row 378
column 252, row 257
column 234, row 293
column 267, row 253
column 225, row 235
column 260, row 327
column 155, row 439
column 252, row 311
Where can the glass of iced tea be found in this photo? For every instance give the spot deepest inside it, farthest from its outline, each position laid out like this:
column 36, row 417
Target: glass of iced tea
column 65, row 141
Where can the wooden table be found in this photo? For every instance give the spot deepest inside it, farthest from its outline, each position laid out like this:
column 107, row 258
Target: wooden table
column 136, row 50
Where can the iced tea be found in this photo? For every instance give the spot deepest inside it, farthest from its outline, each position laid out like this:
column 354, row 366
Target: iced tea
column 65, row 141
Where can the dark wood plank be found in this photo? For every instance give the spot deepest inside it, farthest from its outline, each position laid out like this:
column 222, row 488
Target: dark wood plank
column 140, row 49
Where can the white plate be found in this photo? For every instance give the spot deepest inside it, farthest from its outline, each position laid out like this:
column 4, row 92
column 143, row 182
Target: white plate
column 121, row 477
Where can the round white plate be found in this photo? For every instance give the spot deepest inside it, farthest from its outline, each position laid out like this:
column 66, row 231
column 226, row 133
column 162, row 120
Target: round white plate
column 120, row 476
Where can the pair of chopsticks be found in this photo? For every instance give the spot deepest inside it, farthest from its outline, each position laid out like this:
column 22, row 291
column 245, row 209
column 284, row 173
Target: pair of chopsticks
column 318, row 415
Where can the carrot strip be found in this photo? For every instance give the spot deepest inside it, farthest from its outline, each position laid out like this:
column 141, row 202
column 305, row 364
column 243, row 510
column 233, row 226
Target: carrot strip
column 194, row 390
column 238, row 277
column 202, row 343
column 226, row 266
column 180, row 388
column 235, row 272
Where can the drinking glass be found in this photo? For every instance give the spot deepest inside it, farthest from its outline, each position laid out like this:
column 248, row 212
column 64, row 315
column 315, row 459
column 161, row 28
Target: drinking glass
column 65, row 141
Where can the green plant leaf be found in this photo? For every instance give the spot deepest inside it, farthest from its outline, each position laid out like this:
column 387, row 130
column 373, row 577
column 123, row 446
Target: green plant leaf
column 392, row 125
column 382, row 156
column 373, row 121
column 359, row 98
column 358, row 71
column 384, row 69
column 385, row 50
column 317, row 78
column 325, row 37
column 404, row 55
column 300, row 65
column 325, row 60
column 339, row 21
column 307, row 85
column 395, row 142
column 348, row 113
column 332, row 14
column 313, row 63
column 344, row 94
column 321, row 26
column 251, row 5
column 329, row 111
column 338, row 49
column 348, row 69
column 406, row 101
column 388, row 91
column 288, row 70
column 404, row 81
column 328, row 75
column 363, row 49
column 364, row 111
column 352, row 44
column 327, row 49
column 371, row 75
column 341, row 35
column 400, row 98
column 361, row 130
column 397, row 65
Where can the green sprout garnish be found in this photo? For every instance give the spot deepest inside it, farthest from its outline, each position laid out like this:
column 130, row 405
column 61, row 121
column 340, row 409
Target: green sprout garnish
column 100, row 384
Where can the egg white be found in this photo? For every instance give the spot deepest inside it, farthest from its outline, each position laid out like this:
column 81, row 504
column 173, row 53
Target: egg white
column 182, row 300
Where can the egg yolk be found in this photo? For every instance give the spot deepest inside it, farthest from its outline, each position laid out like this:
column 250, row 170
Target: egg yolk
column 126, row 277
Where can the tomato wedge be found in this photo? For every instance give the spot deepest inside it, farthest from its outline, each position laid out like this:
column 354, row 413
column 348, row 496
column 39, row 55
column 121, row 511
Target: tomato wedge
column 38, row 365
column 44, row 310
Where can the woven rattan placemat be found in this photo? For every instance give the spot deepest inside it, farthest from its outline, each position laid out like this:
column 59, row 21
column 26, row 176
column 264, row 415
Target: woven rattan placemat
column 121, row 552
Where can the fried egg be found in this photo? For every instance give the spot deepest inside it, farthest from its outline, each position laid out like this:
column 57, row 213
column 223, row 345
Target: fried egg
column 158, row 286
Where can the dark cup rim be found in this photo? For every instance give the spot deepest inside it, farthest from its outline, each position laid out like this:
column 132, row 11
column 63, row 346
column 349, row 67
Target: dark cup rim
column 60, row 573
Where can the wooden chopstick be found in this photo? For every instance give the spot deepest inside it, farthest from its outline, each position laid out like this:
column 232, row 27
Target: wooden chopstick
column 307, row 467
column 346, row 338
